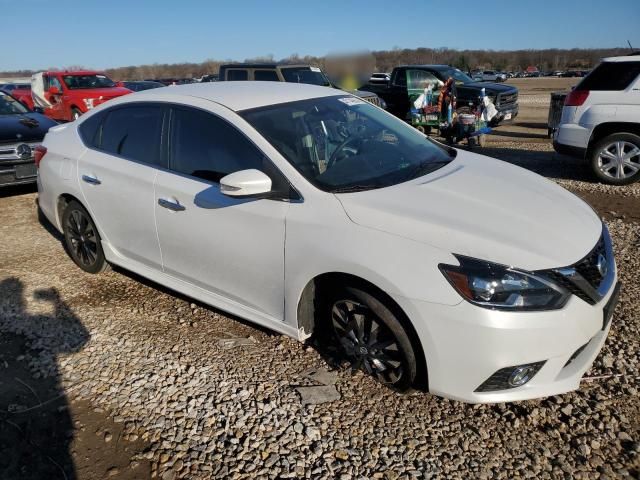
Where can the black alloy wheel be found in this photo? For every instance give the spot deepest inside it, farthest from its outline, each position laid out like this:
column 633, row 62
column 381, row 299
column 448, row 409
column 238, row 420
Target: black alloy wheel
column 82, row 239
column 372, row 339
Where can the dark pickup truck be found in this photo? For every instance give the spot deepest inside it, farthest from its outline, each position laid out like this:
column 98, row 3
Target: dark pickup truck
column 395, row 94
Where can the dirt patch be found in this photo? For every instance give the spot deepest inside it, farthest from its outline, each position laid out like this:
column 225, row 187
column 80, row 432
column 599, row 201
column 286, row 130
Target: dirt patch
column 613, row 206
column 46, row 435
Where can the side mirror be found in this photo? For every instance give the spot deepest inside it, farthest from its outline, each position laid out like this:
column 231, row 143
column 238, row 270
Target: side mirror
column 54, row 91
column 245, row 183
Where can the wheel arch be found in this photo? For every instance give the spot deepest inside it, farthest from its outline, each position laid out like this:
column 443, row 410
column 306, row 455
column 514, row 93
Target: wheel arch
column 63, row 200
column 609, row 128
column 315, row 292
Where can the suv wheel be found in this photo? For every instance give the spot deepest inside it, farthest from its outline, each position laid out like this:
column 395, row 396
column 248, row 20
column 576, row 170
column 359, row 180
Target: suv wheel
column 82, row 239
column 371, row 338
column 75, row 113
column 616, row 159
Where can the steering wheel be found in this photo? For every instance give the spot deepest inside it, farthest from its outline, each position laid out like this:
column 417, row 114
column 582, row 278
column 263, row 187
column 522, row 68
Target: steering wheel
column 334, row 156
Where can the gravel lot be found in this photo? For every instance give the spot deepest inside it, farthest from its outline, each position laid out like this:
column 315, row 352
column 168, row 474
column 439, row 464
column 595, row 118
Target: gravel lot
column 159, row 386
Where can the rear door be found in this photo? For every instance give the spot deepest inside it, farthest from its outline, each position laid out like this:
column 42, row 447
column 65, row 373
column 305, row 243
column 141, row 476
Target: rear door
column 232, row 247
column 117, row 173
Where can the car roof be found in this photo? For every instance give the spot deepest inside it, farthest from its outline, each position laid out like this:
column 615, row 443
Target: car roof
column 265, row 65
column 243, row 95
column 634, row 57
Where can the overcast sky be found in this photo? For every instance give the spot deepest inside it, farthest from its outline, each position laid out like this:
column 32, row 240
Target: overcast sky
column 108, row 33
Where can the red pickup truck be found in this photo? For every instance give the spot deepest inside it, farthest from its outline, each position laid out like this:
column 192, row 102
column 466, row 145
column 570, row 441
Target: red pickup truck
column 64, row 96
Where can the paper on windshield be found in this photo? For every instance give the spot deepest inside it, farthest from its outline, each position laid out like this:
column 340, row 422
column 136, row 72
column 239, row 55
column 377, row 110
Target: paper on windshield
column 351, row 101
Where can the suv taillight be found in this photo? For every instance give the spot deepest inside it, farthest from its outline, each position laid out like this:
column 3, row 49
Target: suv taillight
column 576, row 98
column 38, row 153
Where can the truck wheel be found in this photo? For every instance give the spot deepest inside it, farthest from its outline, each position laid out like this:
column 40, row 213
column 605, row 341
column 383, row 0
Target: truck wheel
column 615, row 159
column 75, row 113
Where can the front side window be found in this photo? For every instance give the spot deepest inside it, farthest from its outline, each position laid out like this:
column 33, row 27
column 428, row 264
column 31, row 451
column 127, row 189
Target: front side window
column 612, row 76
column 205, row 146
column 133, row 132
column 235, row 75
column 54, row 82
column 345, row 144
column 80, row 82
column 10, row 106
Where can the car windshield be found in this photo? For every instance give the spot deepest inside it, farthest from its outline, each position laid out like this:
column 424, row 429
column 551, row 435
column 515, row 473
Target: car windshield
column 311, row 75
column 79, row 82
column 344, row 144
column 10, row 106
column 457, row 75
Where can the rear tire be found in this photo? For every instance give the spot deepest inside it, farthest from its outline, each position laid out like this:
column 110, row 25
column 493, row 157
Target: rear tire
column 615, row 159
column 370, row 336
column 82, row 239
column 75, row 113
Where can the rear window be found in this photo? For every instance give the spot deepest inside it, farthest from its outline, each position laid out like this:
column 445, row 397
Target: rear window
column 611, row 76
column 234, row 75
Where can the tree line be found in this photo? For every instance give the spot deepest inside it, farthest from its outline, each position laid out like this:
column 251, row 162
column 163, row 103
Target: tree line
column 383, row 61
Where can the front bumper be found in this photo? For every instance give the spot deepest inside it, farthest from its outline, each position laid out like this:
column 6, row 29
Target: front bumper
column 464, row 345
column 19, row 172
column 506, row 113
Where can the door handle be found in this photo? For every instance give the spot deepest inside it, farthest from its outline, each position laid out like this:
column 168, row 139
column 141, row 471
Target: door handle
column 174, row 206
column 91, row 179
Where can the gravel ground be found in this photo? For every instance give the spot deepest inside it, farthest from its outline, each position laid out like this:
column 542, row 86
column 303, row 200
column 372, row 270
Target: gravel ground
column 205, row 395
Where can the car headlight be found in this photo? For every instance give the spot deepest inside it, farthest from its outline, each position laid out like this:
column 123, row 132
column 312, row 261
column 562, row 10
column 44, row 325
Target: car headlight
column 495, row 286
column 88, row 102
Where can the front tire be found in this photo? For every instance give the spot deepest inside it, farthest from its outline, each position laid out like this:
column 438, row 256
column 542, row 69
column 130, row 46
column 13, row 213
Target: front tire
column 616, row 159
column 82, row 239
column 371, row 338
column 75, row 113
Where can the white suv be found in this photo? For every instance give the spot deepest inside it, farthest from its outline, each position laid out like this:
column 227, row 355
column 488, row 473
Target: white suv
column 601, row 120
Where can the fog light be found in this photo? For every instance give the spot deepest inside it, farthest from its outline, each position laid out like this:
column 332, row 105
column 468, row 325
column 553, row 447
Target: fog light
column 521, row 375
column 510, row 377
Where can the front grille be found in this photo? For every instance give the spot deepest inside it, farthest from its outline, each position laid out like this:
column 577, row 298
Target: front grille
column 588, row 266
column 571, row 287
column 13, row 151
column 375, row 100
column 507, row 98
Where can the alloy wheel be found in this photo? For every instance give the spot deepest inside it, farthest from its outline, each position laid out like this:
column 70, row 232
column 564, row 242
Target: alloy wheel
column 619, row 160
column 82, row 238
column 367, row 341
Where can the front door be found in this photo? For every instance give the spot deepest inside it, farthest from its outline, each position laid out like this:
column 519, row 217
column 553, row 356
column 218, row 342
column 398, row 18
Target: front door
column 117, row 174
column 229, row 246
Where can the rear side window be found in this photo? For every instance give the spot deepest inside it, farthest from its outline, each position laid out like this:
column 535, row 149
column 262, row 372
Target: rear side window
column 266, row 75
column 134, row 133
column 612, row 76
column 90, row 130
column 234, row 75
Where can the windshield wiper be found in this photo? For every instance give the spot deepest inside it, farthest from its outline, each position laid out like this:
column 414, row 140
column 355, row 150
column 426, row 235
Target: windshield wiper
column 426, row 167
column 356, row 188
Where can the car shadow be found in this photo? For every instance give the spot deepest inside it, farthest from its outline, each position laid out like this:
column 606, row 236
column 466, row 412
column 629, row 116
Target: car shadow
column 36, row 428
column 14, row 190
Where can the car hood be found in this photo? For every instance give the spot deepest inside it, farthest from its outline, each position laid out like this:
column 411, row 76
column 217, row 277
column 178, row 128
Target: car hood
column 489, row 87
column 27, row 127
column 483, row 208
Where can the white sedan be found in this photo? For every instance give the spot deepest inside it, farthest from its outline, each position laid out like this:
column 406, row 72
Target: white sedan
column 316, row 214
